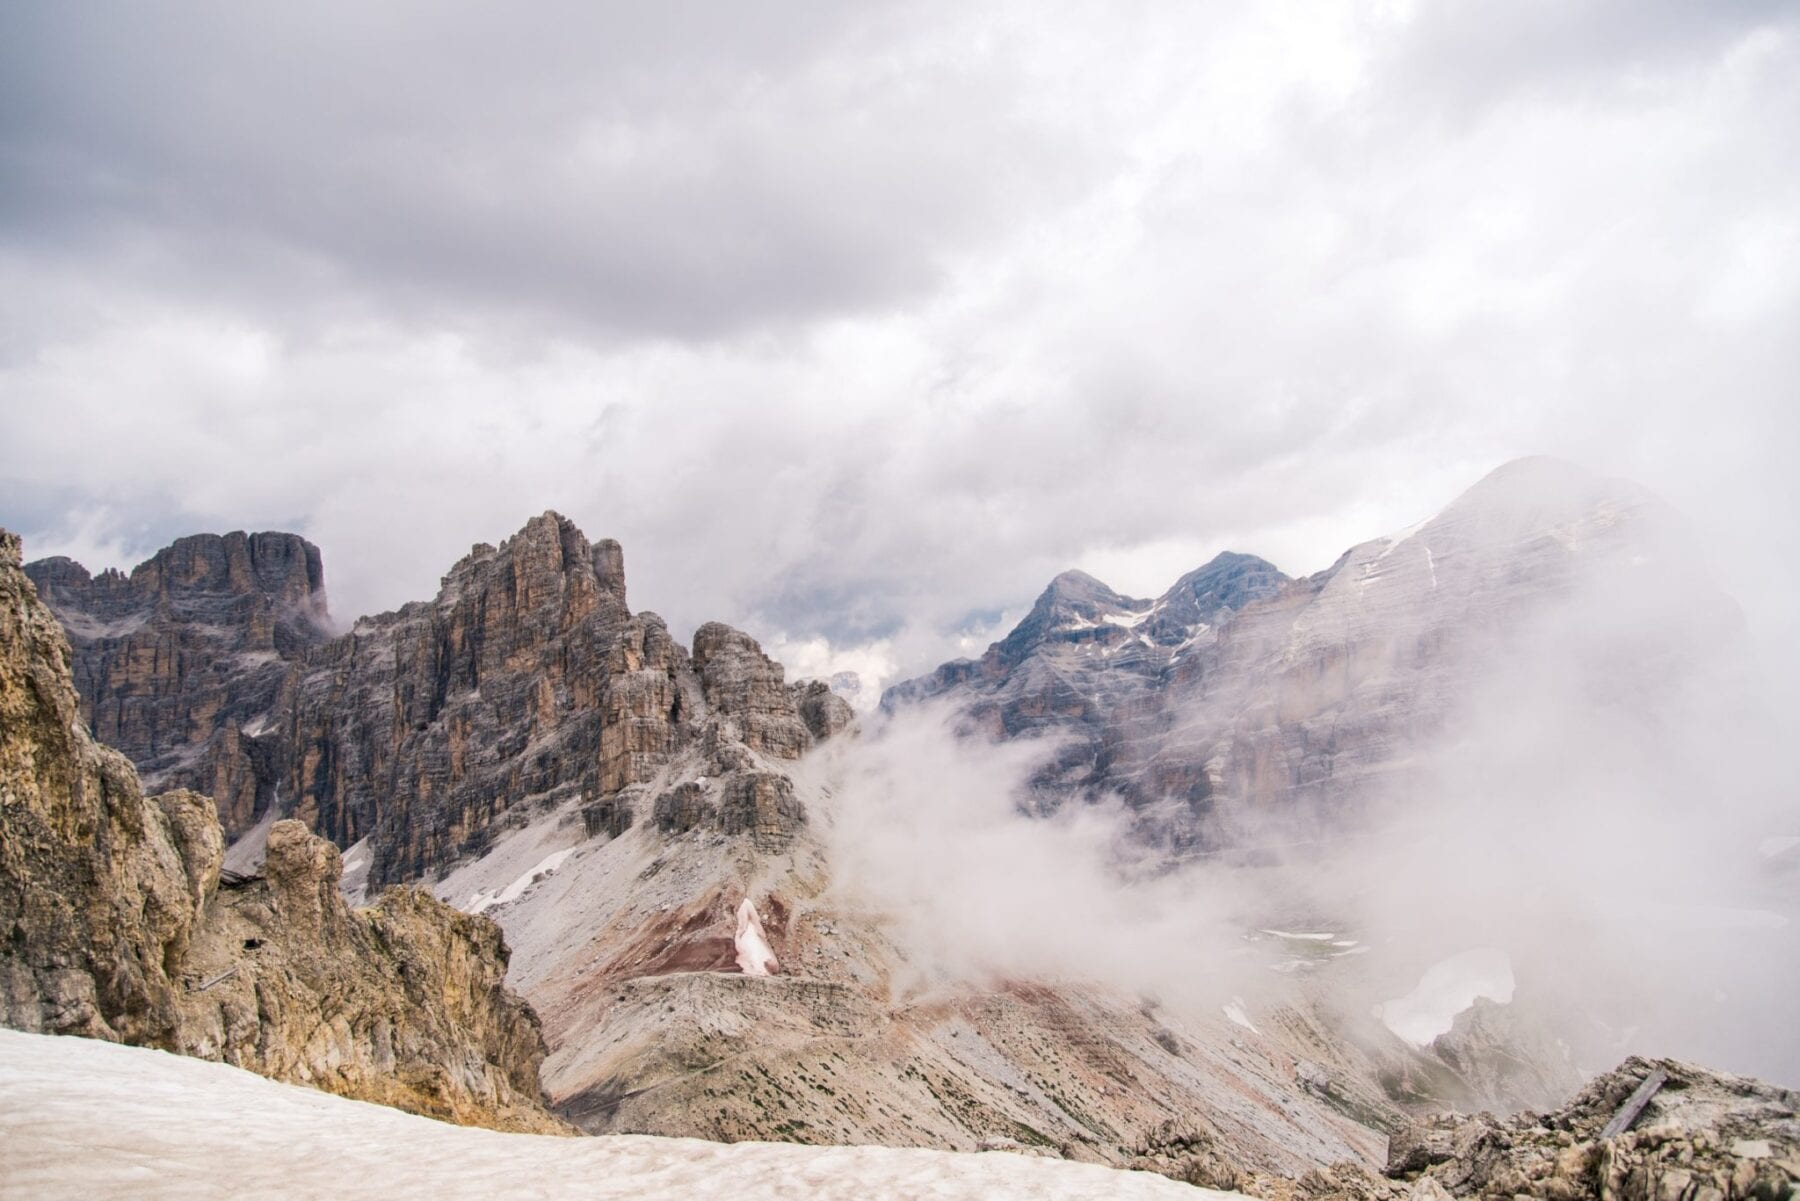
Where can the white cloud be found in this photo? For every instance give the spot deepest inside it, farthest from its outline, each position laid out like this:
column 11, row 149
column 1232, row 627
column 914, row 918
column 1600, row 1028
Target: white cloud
column 860, row 325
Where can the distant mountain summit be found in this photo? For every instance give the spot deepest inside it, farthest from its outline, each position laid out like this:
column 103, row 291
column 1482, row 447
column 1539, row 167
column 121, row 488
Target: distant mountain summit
column 1241, row 693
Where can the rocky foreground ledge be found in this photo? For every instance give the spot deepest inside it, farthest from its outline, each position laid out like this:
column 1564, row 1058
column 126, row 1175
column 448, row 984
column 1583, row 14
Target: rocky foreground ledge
column 1648, row 1131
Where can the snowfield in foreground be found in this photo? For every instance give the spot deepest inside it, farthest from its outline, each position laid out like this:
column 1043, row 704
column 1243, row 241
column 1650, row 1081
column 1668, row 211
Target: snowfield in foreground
column 87, row 1119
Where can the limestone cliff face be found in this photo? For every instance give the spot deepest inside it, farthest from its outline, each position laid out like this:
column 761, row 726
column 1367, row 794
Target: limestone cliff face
column 186, row 664
column 420, row 727
column 528, row 682
column 114, row 925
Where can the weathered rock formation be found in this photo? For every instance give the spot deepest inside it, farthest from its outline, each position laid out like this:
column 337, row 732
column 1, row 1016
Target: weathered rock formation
column 525, row 683
column 188, row 664
column 114, row 924
column 1242, row 699
column 1702, row 1136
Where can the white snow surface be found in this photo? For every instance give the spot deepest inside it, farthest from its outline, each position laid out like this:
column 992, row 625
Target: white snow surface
column 1445, row 990
column 1235, row 1011
column 91, row 1120
column 484, row 900
column 753, row 952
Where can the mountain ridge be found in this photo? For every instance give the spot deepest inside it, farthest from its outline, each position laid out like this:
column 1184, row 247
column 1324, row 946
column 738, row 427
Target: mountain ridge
column 1273, row 698
column 526, row 679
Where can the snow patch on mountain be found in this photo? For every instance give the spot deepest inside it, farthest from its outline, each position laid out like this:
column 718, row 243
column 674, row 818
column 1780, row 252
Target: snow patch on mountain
column 484, row 900
column 753, row 953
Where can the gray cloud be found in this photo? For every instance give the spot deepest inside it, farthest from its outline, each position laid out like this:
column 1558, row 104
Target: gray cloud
column 591, row 168
column 859, row 323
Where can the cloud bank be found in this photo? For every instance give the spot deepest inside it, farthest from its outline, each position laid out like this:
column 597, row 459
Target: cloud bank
column 859, row 324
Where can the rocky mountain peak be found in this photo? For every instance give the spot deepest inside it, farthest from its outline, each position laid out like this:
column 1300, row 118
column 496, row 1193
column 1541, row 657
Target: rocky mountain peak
column 1073, row 603
column 1240, row 690
column 1535, row 498
column 1210, row 593
column 278, row 577
column 548, row 564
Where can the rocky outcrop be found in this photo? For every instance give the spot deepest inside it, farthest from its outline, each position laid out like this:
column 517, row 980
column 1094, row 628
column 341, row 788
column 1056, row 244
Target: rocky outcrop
column 825, row 713
column 115, row 924
column 187, row 665
column 525, row 684
column 1702, row 1136
column 746, row 686
column 401, row 1003
column 1241, row 701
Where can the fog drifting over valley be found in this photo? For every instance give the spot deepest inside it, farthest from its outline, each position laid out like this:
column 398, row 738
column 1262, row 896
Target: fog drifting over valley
column 1603, row 818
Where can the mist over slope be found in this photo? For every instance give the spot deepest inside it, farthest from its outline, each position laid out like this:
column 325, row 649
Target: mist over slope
column 1531, row 723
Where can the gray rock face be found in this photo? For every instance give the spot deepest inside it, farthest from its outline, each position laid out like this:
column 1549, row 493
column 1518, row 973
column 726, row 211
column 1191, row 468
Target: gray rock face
column 420, row 727
column 206, row 636
column 1241, row 697
column 747, row 686
column 527, row 682
column 1095, row 667
column 823, row 710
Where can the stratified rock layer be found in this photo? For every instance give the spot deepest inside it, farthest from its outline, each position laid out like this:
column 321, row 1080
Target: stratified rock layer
column 526, row 683
column 188, row 664
column 114, row 925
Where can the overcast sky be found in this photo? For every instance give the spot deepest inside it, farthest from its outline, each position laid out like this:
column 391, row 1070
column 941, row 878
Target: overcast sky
column 859, row 322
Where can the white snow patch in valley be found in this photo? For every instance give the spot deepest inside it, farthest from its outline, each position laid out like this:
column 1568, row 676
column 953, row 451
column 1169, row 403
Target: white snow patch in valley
column 1325, row 937
column 1445, row 990
column 753, row 953
column 484, row 900
column 1235, row 1011
column 85, row 1119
